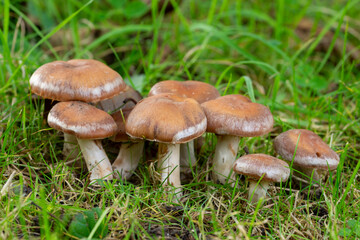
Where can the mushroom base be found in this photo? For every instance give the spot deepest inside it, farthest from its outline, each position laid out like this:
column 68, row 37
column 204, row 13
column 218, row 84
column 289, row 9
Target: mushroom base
column 257, row 191
column 187, row 158
column 224, row 158
column 128, row 159
column 96, row 159
column 168, row 166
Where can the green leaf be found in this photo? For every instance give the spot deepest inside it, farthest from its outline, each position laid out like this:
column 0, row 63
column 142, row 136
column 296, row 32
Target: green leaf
column 135, row 9
column 355, row 226
column 117, row 3
column 85, row 222
column 345, row 232
column 352, row 223
column 90, row 218
column 79, row 227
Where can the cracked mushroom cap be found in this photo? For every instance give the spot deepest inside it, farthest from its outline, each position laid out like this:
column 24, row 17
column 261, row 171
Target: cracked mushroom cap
column 257, row 165
column 311, row 152
column 236, row 115
column 82, row 120
column 76, row 80
column 166, row 118
column 199, row 91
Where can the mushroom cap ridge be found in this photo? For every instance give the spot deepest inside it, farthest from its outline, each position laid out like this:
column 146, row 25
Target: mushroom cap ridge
column 311, row 152
column 76, row 80
column 236, row 115
column 82, row 120
column 166, row 118
column 257, row 165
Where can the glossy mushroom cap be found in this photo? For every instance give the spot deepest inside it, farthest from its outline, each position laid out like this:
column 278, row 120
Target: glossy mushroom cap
column 166, row 118
column 199, row 91
column 77, row 80
column 258, row 165
column 236, row 115
column 311, row 152
column 82, row 120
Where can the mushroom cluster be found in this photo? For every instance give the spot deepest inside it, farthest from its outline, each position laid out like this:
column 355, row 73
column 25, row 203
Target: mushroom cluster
column 95, row 103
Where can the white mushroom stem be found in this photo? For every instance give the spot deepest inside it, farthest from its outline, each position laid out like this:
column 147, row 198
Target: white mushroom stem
column 224, row 158
column 187, row 157
column 258, row 191
column 96, row 159
column 128, row 159
column 168, row 165
column 71, row 148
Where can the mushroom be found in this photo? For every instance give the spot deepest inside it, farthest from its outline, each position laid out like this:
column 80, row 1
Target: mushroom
column 231, row 117
column 87, row 124
column 76, row 80
column 261, row 167
column 130, row 150
column 313, row 156
column 199, row 91
column 169, row 120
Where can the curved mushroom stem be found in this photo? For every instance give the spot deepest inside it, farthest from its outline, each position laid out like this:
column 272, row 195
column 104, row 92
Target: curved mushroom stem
column 128, row 159
column 259, row 191
column 96, row 159
column 70, row 149
column 187, row 157
column 224, row 158
column 168, row 166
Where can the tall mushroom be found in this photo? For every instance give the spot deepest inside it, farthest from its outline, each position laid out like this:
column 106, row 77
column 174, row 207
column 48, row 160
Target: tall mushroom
column 87, row 124
column 231, row 117
column 313, row 155
column 264, row 167
column 197, row 90
column 169, row 120
column 83, row 80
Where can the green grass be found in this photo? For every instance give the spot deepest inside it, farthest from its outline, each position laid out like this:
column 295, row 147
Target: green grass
column 243, row 47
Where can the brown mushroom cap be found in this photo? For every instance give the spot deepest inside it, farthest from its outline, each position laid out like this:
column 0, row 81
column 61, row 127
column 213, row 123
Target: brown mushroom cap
column 166, row 118
column 311, row 152
column 78, row 80
column 199, row 91
column 257, row 165
column 236, row 115
column 82, row 120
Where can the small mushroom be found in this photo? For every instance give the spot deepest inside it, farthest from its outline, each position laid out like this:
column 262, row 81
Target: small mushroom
column 83, row 80
column 131, row 150
column 261, row 166
column 169, row 120
column 88, row 124
column 313, row 156
column 231, row 117
column 197, row 90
